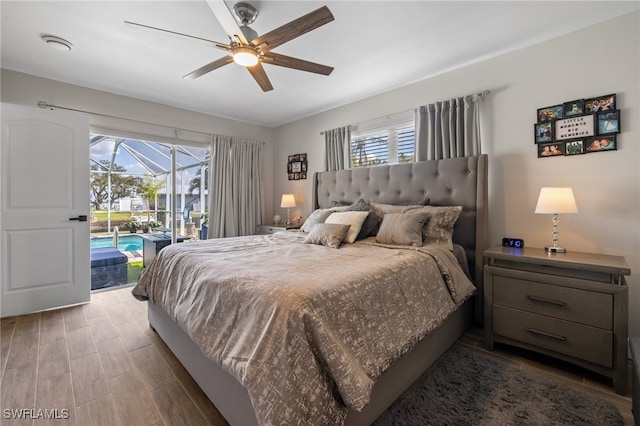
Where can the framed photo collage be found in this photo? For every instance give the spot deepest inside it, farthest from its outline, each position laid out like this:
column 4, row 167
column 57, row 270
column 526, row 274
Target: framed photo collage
column 297, row 166
column 578, row 127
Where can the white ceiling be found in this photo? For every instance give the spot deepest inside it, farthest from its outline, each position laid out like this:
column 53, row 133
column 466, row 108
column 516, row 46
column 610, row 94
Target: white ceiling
column 374, row 46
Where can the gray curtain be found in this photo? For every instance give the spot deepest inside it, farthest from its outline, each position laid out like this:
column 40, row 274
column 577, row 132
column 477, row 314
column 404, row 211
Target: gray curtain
column 236, row 203
column 337, row 149
column 448, row 129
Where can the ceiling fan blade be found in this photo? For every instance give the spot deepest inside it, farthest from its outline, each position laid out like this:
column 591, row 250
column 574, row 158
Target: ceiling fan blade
column 295, row 63
column 295, row 28
column 179, row 35
column 258, row 73
column 209, row 67
column 226, row 19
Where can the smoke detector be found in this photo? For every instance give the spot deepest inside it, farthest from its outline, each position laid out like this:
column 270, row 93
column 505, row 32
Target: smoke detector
column 57, row 43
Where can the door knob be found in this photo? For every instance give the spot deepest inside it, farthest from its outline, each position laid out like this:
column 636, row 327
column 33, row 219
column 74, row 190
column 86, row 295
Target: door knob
column 81, row 218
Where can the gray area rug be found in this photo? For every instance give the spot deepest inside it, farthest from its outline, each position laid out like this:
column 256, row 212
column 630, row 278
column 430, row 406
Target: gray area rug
column 467, row 388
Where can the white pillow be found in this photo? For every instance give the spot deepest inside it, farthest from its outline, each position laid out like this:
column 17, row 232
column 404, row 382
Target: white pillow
column 354, row 219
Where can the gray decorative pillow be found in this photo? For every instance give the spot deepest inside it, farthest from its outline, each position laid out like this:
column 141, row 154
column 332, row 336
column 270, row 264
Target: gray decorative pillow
column 424, row 202
column 402, row 228
column 439, row 226
column 318, row 216
column 383, row 209
column 327, row 234
column 371, row 223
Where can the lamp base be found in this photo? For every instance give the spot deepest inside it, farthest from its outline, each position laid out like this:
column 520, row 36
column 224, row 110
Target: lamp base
column 552, row 249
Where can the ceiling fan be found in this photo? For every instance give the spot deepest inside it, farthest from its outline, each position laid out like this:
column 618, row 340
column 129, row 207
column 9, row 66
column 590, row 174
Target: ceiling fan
column 250, row 50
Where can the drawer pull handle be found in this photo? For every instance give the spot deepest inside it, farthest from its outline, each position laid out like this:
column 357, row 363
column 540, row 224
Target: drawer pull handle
column 544, row 333
column 549, row 301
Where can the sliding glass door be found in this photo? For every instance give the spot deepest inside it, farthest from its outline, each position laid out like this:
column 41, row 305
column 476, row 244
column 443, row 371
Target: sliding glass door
column 142, row 190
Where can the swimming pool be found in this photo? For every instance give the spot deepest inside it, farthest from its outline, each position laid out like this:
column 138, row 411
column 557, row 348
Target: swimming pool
column 125, row 242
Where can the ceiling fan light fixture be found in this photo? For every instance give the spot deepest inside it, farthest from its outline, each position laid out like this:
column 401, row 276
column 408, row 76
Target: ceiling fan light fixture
column 245, row 56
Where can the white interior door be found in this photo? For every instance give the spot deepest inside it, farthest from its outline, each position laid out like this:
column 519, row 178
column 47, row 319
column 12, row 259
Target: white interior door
column 45, row 194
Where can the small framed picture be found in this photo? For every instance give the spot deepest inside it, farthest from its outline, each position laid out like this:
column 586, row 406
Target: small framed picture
column 550, row 113
column 608, row 122
column 296, row 167
column 574, row 127
column 601, row 103
column 573, row 108
column 601, row 143
column 574, row 147
column 543, row 132
column 551, row 149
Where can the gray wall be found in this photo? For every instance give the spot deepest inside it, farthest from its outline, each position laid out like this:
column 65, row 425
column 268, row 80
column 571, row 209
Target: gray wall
column 598, row 60
column 24, row 89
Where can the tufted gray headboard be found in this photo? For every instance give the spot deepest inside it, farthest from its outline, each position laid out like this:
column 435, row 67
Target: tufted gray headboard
column 449, row 182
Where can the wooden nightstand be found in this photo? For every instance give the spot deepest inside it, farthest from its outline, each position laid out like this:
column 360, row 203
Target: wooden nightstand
column 572, row 306
column 270, row 229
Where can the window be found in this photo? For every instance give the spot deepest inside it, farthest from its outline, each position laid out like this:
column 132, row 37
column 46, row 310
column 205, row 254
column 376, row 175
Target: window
column 391, row 144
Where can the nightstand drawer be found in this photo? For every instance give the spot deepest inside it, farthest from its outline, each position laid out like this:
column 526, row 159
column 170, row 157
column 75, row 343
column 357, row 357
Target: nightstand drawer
column 575, row 340
column 571, row 304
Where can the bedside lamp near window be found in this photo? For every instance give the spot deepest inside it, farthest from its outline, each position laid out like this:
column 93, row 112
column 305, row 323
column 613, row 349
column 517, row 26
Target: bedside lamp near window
column 554, row 201
column 288, row 201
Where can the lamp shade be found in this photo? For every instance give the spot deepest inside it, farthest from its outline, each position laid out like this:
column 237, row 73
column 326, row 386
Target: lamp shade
column 556, row 200
column 288, row 200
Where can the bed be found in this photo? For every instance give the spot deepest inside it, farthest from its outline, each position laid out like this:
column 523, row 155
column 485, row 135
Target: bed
column 283, row 339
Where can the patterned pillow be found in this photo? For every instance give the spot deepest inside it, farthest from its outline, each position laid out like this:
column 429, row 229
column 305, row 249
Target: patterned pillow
column 327, row 234
column 439, row 227
column 402, row 228
column 353, row 219
column 371, row 223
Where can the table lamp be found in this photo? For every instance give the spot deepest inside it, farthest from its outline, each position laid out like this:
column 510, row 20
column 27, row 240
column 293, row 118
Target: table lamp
column 554, row 201
column 288, row 201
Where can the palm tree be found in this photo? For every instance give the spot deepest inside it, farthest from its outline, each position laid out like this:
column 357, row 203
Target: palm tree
column 194, row 184
column 359, row 154
column 149, row 190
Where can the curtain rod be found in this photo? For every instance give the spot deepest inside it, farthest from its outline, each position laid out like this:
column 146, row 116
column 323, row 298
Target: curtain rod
column 45, row 105
column 387, row 116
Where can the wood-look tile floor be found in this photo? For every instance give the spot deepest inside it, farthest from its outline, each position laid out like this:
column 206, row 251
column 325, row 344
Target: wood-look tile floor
column 103, row 363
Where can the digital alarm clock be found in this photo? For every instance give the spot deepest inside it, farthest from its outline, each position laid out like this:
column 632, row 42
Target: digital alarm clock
column 513, row 242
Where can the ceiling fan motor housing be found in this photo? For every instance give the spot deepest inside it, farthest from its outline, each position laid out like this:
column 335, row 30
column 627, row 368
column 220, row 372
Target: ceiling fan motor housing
column 249, row 33
column 246, row 13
